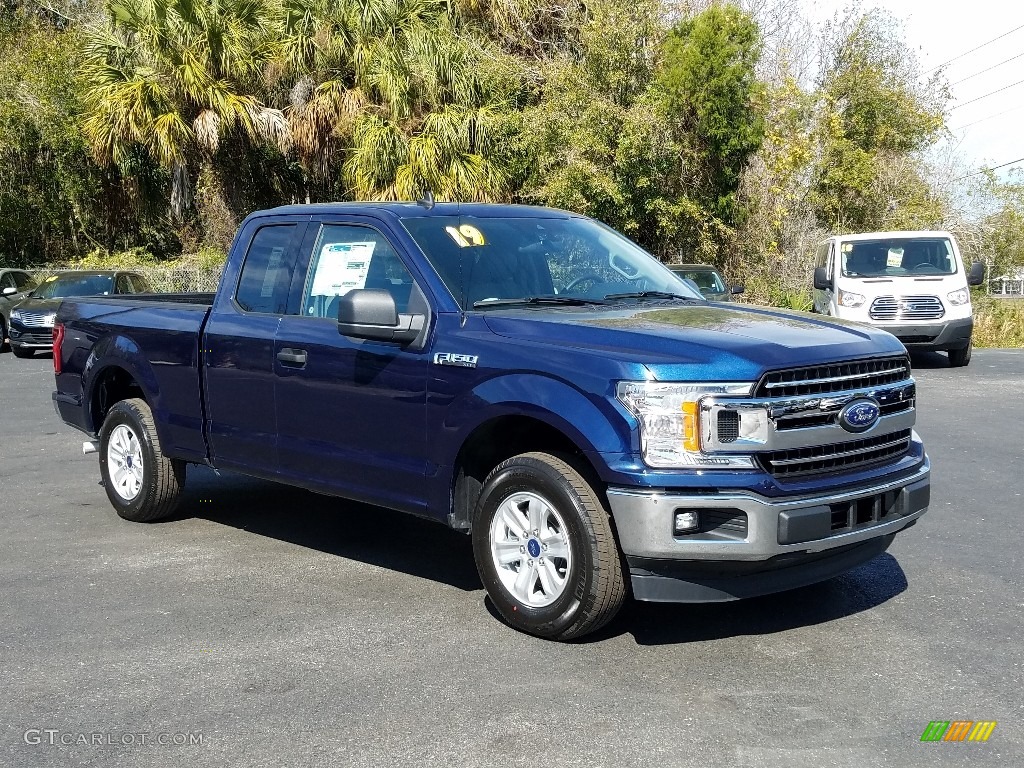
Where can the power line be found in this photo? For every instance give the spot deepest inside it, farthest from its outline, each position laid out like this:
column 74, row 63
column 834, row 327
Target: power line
column 990, row 93
column 978, row 48
column 990, row 117
column 987, row 69
column 993, row 168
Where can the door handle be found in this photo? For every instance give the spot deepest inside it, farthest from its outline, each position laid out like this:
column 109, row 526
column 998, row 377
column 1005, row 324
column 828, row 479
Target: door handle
column 296, row 357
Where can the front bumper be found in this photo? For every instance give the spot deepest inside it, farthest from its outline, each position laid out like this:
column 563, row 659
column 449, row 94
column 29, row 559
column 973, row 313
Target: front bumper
column 951, row 334
column 762, row 545
column 31, row 338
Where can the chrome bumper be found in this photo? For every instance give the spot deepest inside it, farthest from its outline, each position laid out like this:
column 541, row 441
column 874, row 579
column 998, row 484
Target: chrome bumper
column 644, row 521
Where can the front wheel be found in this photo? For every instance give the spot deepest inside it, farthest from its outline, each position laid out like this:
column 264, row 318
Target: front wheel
column 958, row 358
column 141, row 482
column 22, row 352
column 545, row 549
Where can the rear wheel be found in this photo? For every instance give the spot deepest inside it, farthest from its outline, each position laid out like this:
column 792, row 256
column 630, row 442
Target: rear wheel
column 545, row 549
column 960, row 357
column 3, row 335
column 22, row 352
column 141, row 483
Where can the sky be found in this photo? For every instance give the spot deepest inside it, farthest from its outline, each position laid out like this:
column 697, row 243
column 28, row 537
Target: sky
column 988, row 131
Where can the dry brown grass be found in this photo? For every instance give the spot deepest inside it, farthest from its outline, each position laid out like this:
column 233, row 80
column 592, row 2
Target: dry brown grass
column 998, row 322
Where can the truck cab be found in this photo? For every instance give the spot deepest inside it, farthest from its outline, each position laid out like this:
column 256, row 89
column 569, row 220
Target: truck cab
column 911, row 284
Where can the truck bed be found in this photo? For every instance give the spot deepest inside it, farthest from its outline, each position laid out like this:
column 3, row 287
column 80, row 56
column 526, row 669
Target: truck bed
column 155, row 337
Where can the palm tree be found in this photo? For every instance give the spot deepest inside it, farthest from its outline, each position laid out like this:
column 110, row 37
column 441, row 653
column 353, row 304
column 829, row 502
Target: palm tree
column 395, row 88
column 174, row 78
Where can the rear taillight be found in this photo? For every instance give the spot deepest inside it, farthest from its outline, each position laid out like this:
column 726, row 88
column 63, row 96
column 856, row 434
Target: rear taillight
column 58, row 341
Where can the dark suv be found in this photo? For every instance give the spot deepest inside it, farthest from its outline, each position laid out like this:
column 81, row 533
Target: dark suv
column 15, row 285
column 31, row 322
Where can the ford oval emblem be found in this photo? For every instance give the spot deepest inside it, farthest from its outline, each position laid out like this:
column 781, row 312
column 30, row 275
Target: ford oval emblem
column 859, row 416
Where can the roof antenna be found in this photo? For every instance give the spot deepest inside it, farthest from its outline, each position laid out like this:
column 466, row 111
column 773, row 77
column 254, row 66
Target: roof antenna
column 426, row 199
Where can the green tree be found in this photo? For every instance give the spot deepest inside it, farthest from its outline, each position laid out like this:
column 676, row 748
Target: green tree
column 1001, row 230
column 398, row 89
column 53, row 200
column 710, row 88
column 174, row 79
column 597, row 141
column 876, row 114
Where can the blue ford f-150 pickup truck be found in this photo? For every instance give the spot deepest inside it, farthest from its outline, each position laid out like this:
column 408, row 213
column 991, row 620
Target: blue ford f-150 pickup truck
column 526, row 375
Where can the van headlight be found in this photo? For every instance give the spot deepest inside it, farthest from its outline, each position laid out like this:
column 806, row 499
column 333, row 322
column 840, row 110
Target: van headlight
column 959, row 298
column 671, row 421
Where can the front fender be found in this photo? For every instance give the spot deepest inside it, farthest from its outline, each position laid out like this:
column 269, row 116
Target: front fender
column 593, row 423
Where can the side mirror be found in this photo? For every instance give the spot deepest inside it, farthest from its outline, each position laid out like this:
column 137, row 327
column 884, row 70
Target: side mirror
column 10, row 291
column 736, row 290
column 977, row 274
column 821, row 279
column 372, row 314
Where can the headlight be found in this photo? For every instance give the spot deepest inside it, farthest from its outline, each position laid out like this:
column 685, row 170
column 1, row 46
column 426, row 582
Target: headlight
column 671, row 428
column 16, row 315
column 849, row 299
column 958, row 298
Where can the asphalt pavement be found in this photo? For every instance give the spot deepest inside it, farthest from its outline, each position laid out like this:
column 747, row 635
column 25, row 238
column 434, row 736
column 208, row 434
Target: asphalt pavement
column 267, row 626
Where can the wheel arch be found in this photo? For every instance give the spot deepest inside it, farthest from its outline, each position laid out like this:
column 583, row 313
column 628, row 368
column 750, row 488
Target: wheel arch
column 116, row 370
column 502, row 437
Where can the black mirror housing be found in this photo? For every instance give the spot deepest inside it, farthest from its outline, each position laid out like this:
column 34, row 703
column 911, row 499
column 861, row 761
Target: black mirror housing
column 822, row 281
column 976, row 275
column 372, row 314
column 737, row 289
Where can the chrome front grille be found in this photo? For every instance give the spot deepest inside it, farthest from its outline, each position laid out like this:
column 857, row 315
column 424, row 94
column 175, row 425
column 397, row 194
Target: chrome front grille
column 36, row 319
column 906, row 308
column 838, row 377
column 837, row 457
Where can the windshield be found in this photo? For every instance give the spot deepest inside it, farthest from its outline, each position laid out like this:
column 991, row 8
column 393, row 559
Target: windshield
column 894, row 257
column 572, row 260
column 60, row 286
column 706, row 279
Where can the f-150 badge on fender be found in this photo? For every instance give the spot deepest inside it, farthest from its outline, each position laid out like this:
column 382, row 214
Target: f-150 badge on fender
column 452, row 358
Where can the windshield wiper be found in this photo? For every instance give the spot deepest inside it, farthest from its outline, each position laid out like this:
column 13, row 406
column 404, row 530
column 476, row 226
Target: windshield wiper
column 652, row 295
column 572, row 301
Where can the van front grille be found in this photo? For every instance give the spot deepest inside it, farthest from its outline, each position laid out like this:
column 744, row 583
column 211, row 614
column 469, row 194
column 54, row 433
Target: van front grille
column 906, row 308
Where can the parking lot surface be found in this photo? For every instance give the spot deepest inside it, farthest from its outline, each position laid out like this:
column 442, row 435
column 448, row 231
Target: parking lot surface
column 276, row 627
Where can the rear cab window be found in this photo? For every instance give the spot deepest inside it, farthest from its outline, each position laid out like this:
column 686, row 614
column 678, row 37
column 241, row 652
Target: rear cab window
column 266, row 275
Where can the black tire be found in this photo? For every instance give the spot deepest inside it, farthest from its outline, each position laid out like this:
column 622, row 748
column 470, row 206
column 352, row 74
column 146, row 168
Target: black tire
column 3, row 335
column 958, row 358
column 594, row 587
column 22, row 352
column 162, row 479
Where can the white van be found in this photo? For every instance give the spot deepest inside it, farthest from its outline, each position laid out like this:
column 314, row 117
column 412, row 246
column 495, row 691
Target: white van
column 912, row 284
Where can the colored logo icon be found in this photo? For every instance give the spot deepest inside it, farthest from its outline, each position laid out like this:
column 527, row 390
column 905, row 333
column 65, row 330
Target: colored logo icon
column 958, row 730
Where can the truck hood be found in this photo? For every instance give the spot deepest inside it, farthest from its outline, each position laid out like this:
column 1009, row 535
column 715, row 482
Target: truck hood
column 698, row 342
